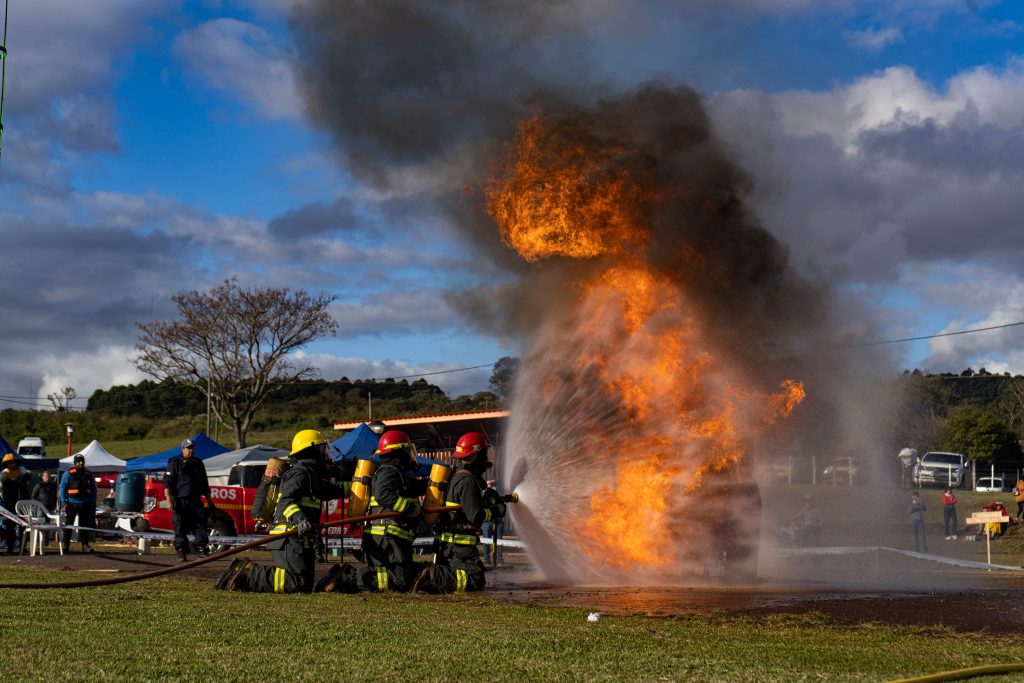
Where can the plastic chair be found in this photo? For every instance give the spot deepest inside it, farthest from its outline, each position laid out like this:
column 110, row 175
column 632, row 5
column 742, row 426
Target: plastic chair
column 39, row 520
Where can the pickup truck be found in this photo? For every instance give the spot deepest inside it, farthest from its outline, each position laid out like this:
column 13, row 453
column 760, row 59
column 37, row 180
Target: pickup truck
column 937, row 468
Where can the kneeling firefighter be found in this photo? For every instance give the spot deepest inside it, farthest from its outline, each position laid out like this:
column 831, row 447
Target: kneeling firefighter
column 387, row 543
column 457, row 567
column 303, row 487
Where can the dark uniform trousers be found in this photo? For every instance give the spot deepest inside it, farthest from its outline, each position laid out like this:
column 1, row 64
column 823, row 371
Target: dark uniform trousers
column 86, row 514
column 293, row 571
column 389, row 559
column 457, row 566
column 189, row 515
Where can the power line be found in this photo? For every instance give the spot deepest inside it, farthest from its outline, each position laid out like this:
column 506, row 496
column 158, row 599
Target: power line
column 437, row 372
column 931, row 336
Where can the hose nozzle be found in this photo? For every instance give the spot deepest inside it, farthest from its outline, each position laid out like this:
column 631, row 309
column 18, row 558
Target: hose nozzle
column 511, row 498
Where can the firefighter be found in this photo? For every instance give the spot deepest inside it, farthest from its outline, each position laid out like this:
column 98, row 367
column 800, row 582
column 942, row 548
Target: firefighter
column 457, row 567
column 185, row 487
column 387, row 543
column 14, row 486
column 304, row 485
column 77, row 497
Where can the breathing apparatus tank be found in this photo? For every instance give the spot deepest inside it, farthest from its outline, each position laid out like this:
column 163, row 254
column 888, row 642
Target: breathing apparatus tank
column 265, row 501
column 436, row 489
column 359, row 500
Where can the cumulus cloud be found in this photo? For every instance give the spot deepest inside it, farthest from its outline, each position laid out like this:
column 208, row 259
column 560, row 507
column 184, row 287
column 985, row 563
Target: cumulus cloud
column 879, row 181
column 242, row 59
column 87, row 371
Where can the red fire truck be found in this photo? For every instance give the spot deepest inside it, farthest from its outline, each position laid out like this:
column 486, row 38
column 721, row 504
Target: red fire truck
column 233, row 514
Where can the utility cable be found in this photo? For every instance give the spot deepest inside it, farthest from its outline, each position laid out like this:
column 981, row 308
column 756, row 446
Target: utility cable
column 3, row 77
column 929, row 336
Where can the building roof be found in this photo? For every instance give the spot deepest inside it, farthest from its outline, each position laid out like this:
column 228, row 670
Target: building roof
column 438, row 432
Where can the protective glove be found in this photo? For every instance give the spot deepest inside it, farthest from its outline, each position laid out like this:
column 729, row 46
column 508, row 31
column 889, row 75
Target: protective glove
column 491, row 497
column 305, row 527
column 498, row 509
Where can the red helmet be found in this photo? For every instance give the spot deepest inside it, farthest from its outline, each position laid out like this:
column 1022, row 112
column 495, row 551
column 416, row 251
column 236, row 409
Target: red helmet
column 470, row 445
column 393, row 440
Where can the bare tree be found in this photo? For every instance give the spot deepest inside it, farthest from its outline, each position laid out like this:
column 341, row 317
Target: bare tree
column 233, row 345
column 61, row 400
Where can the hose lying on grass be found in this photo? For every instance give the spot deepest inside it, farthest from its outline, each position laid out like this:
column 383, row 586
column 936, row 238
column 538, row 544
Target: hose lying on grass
column 215, row 556
column 963, row 674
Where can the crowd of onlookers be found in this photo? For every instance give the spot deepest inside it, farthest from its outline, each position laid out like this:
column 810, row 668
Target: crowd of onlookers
column 75, row 496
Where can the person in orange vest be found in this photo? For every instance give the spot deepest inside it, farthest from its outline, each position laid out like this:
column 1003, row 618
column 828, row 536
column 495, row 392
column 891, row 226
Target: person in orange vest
column 949, row 514
column 1018, row 495
column 77, row 496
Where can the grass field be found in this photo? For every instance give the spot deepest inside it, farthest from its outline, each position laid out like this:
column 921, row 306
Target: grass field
column 182, row 629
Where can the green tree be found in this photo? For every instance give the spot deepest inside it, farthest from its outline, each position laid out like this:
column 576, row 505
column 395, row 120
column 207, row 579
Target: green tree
column 503, row 377
column 982, row 436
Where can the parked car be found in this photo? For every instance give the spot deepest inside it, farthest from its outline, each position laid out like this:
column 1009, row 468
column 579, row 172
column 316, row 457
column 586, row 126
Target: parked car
column 942, row 469
column 997, row 484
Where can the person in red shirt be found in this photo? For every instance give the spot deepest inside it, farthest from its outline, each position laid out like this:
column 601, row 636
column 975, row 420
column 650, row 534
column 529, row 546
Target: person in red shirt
column 949, row 514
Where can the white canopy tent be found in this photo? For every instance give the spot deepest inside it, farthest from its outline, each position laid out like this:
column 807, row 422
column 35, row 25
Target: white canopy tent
column 97, row 459
column 219, row 466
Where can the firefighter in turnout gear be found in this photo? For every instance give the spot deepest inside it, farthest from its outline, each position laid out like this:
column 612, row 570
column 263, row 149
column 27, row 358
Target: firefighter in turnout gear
column 457, row 567
column 387, row 543
column 303, row 488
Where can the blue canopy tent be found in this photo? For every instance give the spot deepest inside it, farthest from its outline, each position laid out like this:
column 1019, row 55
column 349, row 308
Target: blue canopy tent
column 360, row 444
column 6, row 448
column 205, row 448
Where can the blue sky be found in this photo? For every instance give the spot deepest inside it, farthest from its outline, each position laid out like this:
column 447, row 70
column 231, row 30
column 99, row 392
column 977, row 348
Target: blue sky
column 157, row 146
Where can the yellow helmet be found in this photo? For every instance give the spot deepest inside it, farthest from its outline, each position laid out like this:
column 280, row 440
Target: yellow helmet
column 305, row 439
column 8, row 458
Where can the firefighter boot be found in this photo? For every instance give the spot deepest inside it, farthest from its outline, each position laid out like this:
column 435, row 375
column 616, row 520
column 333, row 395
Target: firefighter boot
column 425, row 582
column 329, row 580
column 340, row 578
column 230, row 573
column 240, row 581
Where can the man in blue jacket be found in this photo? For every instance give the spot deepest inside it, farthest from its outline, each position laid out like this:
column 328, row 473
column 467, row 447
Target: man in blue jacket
column 77, row 497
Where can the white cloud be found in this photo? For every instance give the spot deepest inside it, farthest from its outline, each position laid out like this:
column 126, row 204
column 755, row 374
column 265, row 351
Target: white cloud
column 244, row 60
column 87, row 371
column 874, row 40
column 883, row 182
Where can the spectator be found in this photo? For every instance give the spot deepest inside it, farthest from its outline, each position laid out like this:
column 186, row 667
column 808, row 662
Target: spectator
column 1018, row 495
column 916, row 510
column 807, row 524
column 493, row 532
column 46, row 493
column 14, row 487
column 949, row 514
column 77, row 496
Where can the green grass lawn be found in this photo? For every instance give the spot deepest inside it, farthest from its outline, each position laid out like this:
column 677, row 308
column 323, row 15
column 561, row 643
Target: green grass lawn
column 182, row 629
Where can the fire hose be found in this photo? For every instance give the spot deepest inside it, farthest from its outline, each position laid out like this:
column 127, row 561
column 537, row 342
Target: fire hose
column 141, row 576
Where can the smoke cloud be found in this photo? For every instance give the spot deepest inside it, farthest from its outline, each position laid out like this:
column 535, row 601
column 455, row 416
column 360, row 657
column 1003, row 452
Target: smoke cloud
column 495, row 100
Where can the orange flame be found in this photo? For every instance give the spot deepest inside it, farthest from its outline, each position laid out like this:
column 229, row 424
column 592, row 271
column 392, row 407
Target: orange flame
column 563, row 193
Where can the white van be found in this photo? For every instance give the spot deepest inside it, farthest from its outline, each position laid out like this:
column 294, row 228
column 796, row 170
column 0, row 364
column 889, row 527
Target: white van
column 32, row 447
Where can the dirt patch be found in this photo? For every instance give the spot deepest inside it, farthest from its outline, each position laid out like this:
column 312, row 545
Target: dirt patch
column 994, row 605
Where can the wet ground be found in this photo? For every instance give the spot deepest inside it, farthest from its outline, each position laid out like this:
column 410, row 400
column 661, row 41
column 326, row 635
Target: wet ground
column 898, row 591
